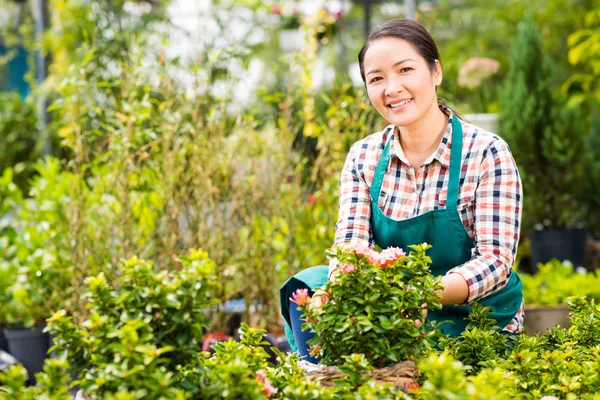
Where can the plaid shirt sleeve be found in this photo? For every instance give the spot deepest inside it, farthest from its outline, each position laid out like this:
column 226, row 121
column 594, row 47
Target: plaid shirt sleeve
column 354, row 214
column 497, row 220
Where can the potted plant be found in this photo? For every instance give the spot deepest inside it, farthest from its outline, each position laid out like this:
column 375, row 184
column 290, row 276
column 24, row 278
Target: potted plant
column 546, row 293
column 373, row 307
column 546, row 139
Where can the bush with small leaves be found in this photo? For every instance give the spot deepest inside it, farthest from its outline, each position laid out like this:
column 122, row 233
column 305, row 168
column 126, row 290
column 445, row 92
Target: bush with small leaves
column 373, row 306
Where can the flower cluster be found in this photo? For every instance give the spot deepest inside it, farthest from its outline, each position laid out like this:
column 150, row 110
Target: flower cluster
column 267, row 387
column 476, row 70
column 374, row 306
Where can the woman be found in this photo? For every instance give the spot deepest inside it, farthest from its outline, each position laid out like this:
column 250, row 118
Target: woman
column 428, row 177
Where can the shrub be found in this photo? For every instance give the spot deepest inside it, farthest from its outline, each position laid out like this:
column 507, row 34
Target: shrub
column 545, row 135
column 373, row 306
column 556, row 282
column 141, row 331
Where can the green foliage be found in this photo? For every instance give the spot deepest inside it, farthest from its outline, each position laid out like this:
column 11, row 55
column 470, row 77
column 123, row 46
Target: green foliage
column 590, row 190
column 18, row 137
column 479, row 342
column 374, row 306
column 468, row 28
column 556, row 281
column 137, row 336
column 584, row 54
column 231, row 373
column 51, row 383
column 543, row 133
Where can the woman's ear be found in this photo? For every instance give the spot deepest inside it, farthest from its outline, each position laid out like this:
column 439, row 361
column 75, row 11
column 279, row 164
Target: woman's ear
column 437, row 73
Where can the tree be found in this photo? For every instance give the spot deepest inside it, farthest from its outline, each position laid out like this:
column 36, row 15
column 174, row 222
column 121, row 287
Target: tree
column 545, row 136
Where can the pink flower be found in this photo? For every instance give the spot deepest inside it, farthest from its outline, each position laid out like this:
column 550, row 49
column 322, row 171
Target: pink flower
column 268, row 388
column 314, row 350
column 359, row 249
column 319, row 299
column 260, row 375
column 300, row 297
column 475, row 70
column 389, row 256
column 411, row 387
column 276, row 9
column 347, row 268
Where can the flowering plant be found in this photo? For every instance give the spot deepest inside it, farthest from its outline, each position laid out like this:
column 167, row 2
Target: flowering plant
column 476, row 75
column 373, row 305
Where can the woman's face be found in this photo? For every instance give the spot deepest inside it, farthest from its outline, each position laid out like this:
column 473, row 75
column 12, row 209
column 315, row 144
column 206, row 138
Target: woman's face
column 399, row 82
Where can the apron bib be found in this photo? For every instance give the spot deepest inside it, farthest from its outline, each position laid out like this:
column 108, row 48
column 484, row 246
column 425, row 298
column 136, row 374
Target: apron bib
column 443, row 229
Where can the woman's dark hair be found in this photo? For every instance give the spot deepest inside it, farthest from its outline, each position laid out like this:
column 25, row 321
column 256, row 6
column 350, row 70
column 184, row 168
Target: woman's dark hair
column 415, row 34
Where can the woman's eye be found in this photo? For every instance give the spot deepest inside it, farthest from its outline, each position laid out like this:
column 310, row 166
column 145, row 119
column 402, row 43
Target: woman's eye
column 377, row 78
column 405, row 69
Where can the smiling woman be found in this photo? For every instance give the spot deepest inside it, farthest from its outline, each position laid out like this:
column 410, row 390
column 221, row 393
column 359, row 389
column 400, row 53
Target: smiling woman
column 428, row 177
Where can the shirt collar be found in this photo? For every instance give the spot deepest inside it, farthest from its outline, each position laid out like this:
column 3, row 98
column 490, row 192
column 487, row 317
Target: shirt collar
column 441, row 154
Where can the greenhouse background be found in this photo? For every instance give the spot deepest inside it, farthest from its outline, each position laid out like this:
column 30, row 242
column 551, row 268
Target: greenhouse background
column 144, row 137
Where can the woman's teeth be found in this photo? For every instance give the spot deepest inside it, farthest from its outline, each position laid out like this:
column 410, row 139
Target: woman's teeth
column 400, row 104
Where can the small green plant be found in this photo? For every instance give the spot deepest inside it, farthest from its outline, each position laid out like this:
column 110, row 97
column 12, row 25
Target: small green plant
column 480, row 342
column 51, row 383
column 373, row 306
column 556, row 281
column 140, row 332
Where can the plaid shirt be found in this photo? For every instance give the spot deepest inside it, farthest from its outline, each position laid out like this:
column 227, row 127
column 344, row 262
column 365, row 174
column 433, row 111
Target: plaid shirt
column 489, row 201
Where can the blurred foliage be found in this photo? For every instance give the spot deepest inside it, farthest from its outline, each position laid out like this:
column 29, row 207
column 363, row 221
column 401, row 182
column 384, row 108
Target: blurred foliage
column 545, row 136
column 584, row 55
column 556, row 281
column 18, row 137
column 590, row 189
column 481, row 28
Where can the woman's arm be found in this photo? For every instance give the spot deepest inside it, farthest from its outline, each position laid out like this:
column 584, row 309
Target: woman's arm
column 354, row 213
column 497, row 222
column 455, row 289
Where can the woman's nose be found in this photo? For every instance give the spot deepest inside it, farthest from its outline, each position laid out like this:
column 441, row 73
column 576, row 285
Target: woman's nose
column 394, row 85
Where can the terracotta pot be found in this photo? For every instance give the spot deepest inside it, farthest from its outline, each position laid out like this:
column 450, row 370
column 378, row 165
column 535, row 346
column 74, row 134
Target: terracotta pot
column 539, row 319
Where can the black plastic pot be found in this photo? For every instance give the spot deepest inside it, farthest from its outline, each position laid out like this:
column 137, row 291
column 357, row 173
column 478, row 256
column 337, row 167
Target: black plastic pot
column 30, row 347
column 3, row 341
column 562, row 244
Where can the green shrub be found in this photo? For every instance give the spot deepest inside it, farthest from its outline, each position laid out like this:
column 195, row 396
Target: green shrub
column 141, row 331
column 373, row 306
column 546, row 136
column 18, row 137
column 51, row 384
column 556, row 282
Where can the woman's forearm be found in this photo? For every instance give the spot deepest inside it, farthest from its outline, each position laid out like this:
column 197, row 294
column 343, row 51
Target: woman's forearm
column 456, row 289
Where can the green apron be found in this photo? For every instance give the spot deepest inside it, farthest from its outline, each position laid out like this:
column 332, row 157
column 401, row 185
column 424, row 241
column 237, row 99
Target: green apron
column 443, row 229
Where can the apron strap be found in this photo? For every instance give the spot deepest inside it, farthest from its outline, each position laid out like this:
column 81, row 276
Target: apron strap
column 382, row 164
column 455, row 164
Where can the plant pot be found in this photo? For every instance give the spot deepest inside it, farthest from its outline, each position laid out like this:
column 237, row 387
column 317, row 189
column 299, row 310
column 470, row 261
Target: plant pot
column 489, row 122
column 3, row 341
column 30, row 347
column 562, row 244
column 539, row 319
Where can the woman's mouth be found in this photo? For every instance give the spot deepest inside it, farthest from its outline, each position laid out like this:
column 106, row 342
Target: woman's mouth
column 400, row 105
